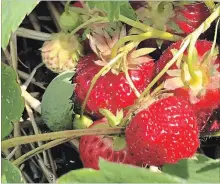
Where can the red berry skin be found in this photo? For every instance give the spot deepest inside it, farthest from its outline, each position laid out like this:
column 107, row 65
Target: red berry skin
column 195, row 14
column 207, row 102
column 91, row 148
column 77, row 4
column 111, row 91
column 163, row 133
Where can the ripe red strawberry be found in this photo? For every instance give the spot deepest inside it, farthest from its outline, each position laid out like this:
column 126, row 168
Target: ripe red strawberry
column 111, row 91
column 173, row 17
column 176, row 17
column 208, row 100
column 194, row 14
column 165, row 132
column 91, row 148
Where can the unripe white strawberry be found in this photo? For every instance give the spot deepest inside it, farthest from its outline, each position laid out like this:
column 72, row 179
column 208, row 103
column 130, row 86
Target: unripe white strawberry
column 62, row 52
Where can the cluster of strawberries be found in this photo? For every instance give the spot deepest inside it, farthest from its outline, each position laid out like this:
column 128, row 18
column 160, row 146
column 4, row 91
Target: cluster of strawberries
column 163, row 126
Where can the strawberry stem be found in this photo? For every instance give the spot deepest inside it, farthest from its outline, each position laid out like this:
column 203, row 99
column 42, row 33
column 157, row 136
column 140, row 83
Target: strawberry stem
column 210, row 4
column 112, row 62
column 131, row 84
column 39, row 149
column 66, row 8
column 138, row 38
column 79, row 10
column 168, row 65
column 9, row 143
column 195, row 35
column 214, row 134
column 135, row 24
column 90, row 21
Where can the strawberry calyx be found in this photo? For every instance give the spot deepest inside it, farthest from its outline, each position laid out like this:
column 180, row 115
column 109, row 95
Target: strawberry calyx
column 81, row 122
column 118, row 141
column 113, row 120
column 207, row 77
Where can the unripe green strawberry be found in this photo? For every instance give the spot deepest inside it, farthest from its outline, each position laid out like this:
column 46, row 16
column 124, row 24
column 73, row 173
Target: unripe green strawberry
column 69, row 20
column 62, row 52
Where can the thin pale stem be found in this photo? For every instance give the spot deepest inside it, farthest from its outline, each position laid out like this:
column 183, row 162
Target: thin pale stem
column 34, row 21
column 28, row 81
column 39, row 159
column 214, row 134
column 52, row 164
column 195, row 35
column 49, row 175
column 9, row 157
column 33, row 102
column 13, row 51
column 7, row 56
column 36, row 129
column 210, row 4
column 26, row 76
column 36, row 35
column 9, row 143
column 55, row 14
column 38, row 150
column 132, row 86
column 90, row 21
column 168, row 65
column 142, row 37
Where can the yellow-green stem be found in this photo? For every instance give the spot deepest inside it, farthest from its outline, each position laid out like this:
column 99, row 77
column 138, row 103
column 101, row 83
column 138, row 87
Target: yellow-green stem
column 213, row 134
column 195, row 35
column 135, row 24
column 9, row 143
column 112, row 62
column 138, row 38
column 168, row 65
column 38, row 150
column 210, row 4
column 90, row 21
column 67, row 6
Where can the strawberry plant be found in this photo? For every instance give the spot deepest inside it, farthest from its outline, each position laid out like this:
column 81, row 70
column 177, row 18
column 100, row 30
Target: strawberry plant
column 110, row 91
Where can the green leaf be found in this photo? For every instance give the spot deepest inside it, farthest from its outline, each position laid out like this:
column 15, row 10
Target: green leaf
column 202, row 169
column 57, row 105
column 127, row 11
column 83, row 176
column 114, row 8
column 117, row 173
column 13, row 13
column 10, row 173
column 12, row 101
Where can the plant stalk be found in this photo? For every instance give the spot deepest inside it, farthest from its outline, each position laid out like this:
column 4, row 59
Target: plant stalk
column 90, row 21
column 143, row 36
column 39, row 149
column 9, row 143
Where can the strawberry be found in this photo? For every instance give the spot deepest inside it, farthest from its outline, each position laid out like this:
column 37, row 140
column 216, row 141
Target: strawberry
column 62, row 52
column 164, row 132
column 179, row 18
column 91, row 148
column 111, row 91
column 194, row 14
column 175, row 17
column 204, row 99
